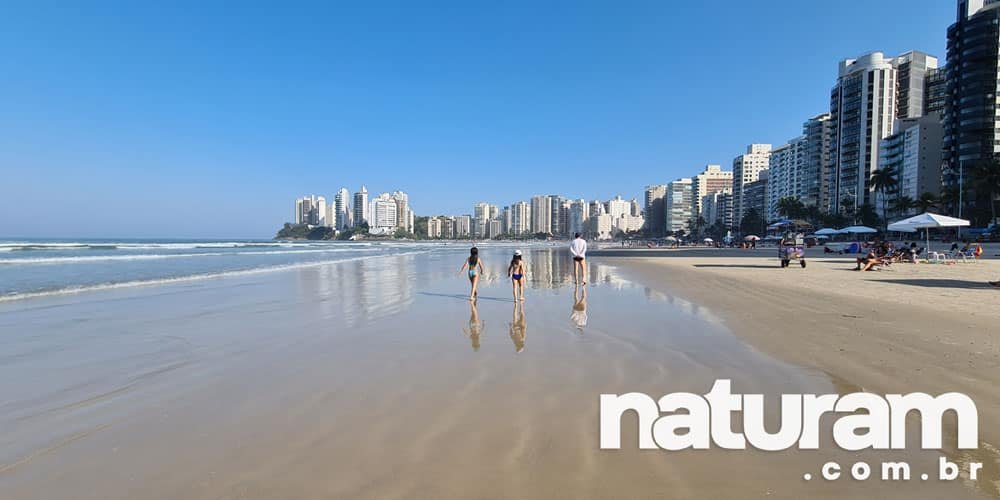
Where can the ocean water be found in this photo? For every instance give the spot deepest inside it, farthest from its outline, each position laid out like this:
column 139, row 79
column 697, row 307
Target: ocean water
column 38, row 268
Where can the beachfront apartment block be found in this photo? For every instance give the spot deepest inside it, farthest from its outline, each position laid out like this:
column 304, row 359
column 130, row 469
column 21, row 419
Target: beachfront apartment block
column 579, row 213
column 972, row 110
column 755, row 198
column 463, row 226
column 384, row 215
column 717, row 208
column 616, row 207
column 361, row 208
column 914, row 153
column 710, row 180
column 541, row 214
column 746, row 169
column 654, row 197
column 678, row 205
column 870, row 93
column 341, row 209
column 520, row 218
column 787, row 176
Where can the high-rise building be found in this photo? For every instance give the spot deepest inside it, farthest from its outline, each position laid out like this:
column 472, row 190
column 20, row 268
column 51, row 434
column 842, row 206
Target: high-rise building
column 303, row 209
column 935, row 90
column 746, row 169
column 480, row 220
column 717, row 208
column 435, row 226
column 818, row 132
column 384, row 215
column 321, row 213
column 402, row 210
column 911, row 79
column 341, row 207
column 617, row 207
column 506, row 220
column 786, row 175
column 463, row 226
column 678, row 205
column 541, row 214
column 555, row 207
column 655, row 222
column 520, row 218
column 447, row 227
column 579, row 212
column 972, row 110
column 596, row 208
column 636, row 208
column 870, row 93
column 710, row 180
column 600, row 226
column 361, row 207
column 755, row 198
column 914, row 154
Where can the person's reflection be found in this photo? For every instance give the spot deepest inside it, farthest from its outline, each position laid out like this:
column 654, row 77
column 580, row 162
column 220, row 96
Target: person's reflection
column 579, row 314
column 518, row 327
column 476, row 327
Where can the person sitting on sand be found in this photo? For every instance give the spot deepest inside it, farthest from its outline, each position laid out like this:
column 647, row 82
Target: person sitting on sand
column 869, row 261
column 516, row 272
column 475, row 266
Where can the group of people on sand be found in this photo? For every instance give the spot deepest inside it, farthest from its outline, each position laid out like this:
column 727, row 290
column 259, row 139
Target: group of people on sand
column 517, row 270
column 884, row 253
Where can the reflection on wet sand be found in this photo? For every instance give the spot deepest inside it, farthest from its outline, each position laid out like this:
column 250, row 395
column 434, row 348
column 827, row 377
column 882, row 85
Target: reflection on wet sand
column 518, row 327
column 474, row 330
column 579, row 314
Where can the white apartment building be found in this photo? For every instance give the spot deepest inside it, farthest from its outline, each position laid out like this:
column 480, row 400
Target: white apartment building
column 746, row 169
column 341, row 207
column 710, row 180
column 579, row 212
column 786, row 175
column 435, row 227
column 520, row 218
column 463, row 226
column 601, row 226
column 679, row 205
column 384, row 215
column 618, row 207
column 541, row 214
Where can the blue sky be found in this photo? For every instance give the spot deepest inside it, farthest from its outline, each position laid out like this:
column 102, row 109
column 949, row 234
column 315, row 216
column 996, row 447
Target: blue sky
column 200, row 119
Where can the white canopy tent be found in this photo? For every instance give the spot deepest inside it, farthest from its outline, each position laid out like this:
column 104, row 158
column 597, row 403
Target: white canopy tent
column 926, row 221
column 827, row 231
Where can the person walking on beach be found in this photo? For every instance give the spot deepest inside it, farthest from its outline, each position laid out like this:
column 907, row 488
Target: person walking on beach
column 474, row 265
column 516, row 272
column 579, row 250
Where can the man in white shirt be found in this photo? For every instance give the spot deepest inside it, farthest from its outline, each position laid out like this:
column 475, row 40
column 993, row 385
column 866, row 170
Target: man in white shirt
column 579, row 250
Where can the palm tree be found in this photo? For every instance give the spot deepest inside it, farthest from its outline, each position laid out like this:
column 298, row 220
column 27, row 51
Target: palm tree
column 903, row 204
column 884, row 181
column 926, row 202
column 985, row 177
column 791, row 207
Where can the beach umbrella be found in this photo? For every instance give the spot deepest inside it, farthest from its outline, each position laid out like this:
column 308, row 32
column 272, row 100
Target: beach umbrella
column 751, row 237
column 827, row 231
column 859, row 230
column 670, row 238
column 708, row 240
column 926, row 221
column 779, row 224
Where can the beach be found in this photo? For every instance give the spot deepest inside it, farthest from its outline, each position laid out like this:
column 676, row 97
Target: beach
column 375, row 377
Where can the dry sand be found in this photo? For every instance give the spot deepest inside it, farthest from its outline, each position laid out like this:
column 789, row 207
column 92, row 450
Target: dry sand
column 914, row 327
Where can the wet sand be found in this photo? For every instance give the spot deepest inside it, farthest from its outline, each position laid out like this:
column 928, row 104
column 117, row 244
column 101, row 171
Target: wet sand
column 378, row 379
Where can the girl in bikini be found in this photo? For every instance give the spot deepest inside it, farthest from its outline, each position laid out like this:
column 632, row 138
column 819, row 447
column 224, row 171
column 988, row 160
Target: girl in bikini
column 475, row 269
column 516, row 271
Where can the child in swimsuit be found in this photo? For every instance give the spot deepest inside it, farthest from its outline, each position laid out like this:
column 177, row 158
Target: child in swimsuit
column 515, row 271
column 475, row 269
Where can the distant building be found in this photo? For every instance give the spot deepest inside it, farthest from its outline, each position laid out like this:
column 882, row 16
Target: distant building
column 361, row 208
column 914, row 153
column 746, row 169
column 341, row 209
column 717, row 208
column 384, row 215
column 447, row 227
column 654, row 198
column 679, row 205
column 816, row 181
column 711, row 180
column 935, row 90
column 617, row 207
column 786, row 176
column 755, row 197
column 579, row 213
column 435, row 227
column 463, row 226
column 520, row 218
column 541, row 214
column 600, row 227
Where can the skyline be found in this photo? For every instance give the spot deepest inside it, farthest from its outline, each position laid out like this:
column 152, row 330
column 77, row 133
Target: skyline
column 176, row 120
